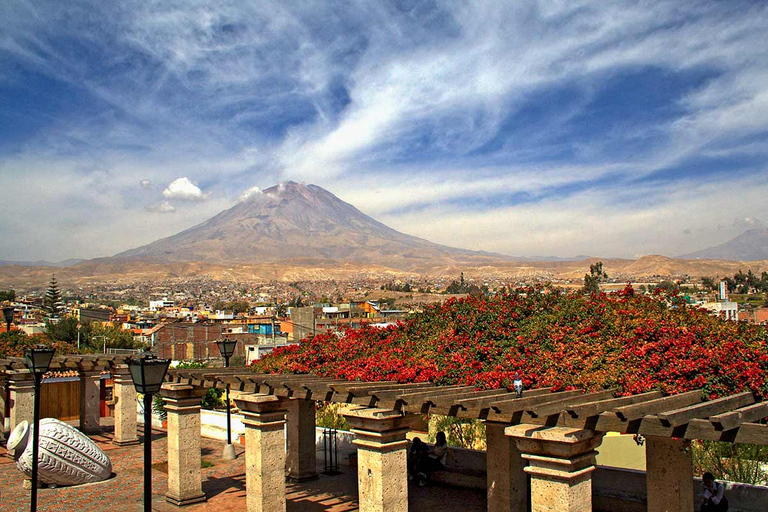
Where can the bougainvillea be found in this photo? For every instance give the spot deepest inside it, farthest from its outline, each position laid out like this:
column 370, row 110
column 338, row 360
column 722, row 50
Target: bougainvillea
column 625, row 341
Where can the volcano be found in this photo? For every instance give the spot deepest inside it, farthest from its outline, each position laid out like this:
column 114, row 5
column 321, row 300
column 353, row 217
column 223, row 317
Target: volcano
column 295, row 221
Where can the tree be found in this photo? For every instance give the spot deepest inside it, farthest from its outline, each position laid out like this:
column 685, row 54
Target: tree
column 52, row 303
column 709, row 283
column 7, row 295
column 596, row 276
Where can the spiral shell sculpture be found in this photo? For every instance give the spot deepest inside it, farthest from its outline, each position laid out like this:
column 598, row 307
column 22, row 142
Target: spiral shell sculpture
column 66, row 455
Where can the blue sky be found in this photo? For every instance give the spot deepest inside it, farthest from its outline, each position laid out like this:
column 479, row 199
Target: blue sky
column 521, row 127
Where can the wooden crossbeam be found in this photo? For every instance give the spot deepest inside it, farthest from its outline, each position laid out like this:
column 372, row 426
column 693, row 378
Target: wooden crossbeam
column 732, row 419
column 635, row 411
column 421, row 397
column 481, row 402
column 558, row 406
column 514, row 405
column 398, row 393
column 455, row 398
column 345, row 386
column 587, row 409
column 366, row 391
column 685, row 414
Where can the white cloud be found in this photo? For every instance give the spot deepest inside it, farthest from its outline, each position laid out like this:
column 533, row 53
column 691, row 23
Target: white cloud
column 162, row 207
column 145, row 183
column 253, row 191
column 183, row 189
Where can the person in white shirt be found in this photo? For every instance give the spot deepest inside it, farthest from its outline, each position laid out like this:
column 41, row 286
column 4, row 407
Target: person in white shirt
column 713, row 498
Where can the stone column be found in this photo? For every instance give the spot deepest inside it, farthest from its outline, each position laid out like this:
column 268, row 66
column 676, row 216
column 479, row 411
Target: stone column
column 300, row 462
column 507, row 479
column 90, row 401
column 669, row 474
column 264, row 420
column 382, row 462
column 182, row 403
column 560, row 462
column 3, row 399
column 125, row 407
column 21, row 391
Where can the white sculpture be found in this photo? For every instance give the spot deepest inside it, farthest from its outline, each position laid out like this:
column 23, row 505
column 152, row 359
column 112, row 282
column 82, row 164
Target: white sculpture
column 66, row 455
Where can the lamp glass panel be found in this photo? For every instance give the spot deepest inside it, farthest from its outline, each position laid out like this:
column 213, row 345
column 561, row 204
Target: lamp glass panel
column 38, row 360
column 154, row 373
column 137, row 375
column 227, row 347
column 8, row 314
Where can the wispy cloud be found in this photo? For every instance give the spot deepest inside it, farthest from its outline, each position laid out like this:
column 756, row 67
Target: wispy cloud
column 435, row 117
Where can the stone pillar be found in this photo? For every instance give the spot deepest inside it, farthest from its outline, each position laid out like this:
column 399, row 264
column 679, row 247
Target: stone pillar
column 669, row 475
column 3, row 399
column 300, row 462
column 182, row 403
column 507, row 479
column 560, row 462
column 264, row 420
column 125, row 407
column 382, row 462
column 21, row 392
column 90, row 401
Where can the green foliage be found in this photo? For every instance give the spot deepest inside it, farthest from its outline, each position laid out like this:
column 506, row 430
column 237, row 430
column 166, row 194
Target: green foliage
column 158, row 406
column 744, row 463
column 213, row 397
column 328, row 415
column 461, row 286
column 92, row 335
column 52, row 302
column 7, row 295
column 596, row 276
column 464, row 433
column 237, row 306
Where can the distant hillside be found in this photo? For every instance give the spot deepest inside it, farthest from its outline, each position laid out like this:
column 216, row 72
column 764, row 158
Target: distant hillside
column 41, row 263
column 293, row 220
column 752, row 245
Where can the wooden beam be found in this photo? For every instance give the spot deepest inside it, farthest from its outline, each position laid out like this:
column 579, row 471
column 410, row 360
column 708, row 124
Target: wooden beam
column 732, row 419
column 558, row 406
column 636, row 411
column 472, row 403
column 367, row 391
column 398, row 393
column 685, row 414
column 514, row 405
column 587, row 409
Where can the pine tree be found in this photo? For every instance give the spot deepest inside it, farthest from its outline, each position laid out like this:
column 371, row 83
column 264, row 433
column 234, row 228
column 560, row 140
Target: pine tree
column 52, row 303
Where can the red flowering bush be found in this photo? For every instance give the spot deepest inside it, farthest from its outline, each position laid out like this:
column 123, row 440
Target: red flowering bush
column 630, row 342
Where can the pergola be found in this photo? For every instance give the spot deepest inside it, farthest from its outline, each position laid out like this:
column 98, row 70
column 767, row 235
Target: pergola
column 548, row 435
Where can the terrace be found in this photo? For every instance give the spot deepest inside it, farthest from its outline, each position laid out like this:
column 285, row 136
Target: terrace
column 541, row 447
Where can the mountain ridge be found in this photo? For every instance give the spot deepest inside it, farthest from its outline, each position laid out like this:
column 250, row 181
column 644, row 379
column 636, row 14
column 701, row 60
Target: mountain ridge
column 294, row 219
column 752, row 245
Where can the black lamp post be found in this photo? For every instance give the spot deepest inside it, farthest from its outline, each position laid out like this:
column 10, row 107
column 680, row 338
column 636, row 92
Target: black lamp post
column 38, row 360
column 227, row 349
column 8, row 314
column 148, row 373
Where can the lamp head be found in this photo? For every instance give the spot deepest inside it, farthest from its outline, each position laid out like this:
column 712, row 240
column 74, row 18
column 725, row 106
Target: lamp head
column 38, row 358
column 226, row 347
column 148, row 372
column 8, row 314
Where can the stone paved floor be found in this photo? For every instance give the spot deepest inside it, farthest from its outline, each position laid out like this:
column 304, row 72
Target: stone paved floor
column 223, row 484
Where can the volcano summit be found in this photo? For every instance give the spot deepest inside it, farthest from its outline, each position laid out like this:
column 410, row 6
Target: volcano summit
column 294, row 221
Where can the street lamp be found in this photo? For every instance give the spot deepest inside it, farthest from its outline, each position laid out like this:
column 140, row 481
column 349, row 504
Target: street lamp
column 8, row 314
column 38, row 360
column 148, row 373
column 227, row 349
